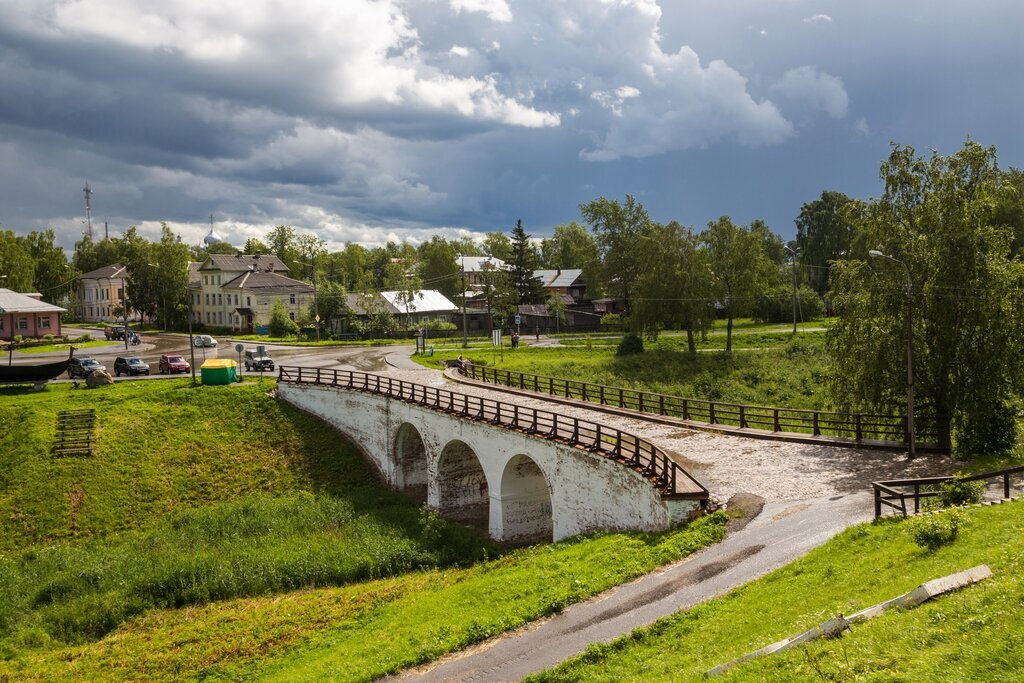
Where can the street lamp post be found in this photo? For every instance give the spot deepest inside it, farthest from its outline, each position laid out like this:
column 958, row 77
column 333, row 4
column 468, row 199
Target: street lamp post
column 793, row 252
column 316, row 304
column 910, row 350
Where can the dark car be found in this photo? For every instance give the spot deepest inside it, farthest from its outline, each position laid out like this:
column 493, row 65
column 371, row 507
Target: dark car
column 114, row 332
column 130, row 365
column 82, row 366
column 258, row 360
column 170, row 365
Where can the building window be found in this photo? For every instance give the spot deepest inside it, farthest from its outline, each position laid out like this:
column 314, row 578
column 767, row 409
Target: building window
column 1, row 324
column 291, row 298
column 22, row 324
column 120, row 292
column 291, row 314
column 207, row 299
column 236, row 299
column 248, row 301
column 44, row 323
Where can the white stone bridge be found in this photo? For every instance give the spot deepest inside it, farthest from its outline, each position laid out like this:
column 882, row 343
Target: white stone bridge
column 524, row 474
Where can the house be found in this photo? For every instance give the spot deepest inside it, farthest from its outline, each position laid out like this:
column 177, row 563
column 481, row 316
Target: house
column 475, row 267
column 568, row 281
column 423, row 306
column 238, row 291
column 101, row 293
column 27, row 315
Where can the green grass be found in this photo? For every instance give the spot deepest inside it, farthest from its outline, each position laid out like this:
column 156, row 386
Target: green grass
column 46, row 348
column 217, row 530
column 976, row 634
column 292, row 341
column 790, row 376
column 363, row 631
column 747, row 340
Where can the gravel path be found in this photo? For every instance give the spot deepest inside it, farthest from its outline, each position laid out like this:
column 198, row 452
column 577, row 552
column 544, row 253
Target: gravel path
column 776, row 471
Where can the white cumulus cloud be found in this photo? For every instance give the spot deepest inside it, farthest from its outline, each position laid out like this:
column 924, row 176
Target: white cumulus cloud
column 818, row 19
column 497, row 10
column 816, row 89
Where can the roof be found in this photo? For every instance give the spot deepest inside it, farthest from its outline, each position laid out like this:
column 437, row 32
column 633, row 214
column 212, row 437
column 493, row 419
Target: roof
column 259, row 282
column 194, row 278
column 236, row 262
column 13, row 302
column 539, row 310
column 115, row 270
column 565, row 277
column 474, row 264
column 423, row 301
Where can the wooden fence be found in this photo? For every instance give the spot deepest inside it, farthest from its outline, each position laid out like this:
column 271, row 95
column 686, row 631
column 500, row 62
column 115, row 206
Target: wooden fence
column 857, row 428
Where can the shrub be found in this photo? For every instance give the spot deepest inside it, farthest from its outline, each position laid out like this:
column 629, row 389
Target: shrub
column 959, row 492
column 931, row 532
column 986, row 427
column 777, row 305
column 611, row 319
column 280, row 324
column 631, row 344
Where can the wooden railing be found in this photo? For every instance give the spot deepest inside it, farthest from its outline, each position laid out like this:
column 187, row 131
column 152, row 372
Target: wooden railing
column 887, row 492
column 855, row 428
column 621, row 447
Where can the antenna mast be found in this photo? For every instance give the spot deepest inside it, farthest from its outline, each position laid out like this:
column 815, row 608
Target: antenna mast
column 88, row 211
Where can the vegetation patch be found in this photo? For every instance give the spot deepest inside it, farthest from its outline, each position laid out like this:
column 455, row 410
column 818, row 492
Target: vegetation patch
column 976, row 634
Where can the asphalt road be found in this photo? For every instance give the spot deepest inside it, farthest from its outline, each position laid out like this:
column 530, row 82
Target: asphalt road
column 366, row 358
column 781, row 533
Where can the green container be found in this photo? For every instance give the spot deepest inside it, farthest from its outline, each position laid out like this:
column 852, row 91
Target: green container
column 219, row 371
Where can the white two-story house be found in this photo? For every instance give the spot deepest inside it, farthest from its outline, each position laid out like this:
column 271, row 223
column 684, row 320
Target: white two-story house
column 238, row 291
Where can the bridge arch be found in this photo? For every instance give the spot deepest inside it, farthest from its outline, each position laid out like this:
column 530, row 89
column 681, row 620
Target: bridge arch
column 410, row 459
column 463, row 492
column 524, row 503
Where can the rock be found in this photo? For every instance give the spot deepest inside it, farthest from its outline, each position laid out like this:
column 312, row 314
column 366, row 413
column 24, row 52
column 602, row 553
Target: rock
column 98, row 378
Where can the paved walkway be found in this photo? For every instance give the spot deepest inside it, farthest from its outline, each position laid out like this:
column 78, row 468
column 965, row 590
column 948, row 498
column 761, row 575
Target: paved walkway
column 780, row 534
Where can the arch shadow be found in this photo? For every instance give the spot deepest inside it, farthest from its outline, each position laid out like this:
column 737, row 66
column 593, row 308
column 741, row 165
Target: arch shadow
column 463, row 491
column 410, row 462
column 526, row 511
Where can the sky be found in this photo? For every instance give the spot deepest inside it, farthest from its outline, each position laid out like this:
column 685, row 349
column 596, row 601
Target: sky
column 377, row 120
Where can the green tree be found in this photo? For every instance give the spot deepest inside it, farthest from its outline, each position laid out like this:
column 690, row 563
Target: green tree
column 521, row 264
column 936, row 217
column 438, row 268
column 618, row 229
column 221, row 248
column 15, row 263
column 556, row 307
column 825, row 231
column 498, row 245
column 280, row 324
column 282, row 242
column 674, row 290
column 255, row 246
column 740, row 268
column 570, row 246
column 52, row 275
column 501, row 297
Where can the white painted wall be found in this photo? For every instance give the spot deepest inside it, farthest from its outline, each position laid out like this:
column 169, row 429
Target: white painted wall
column 587, row 492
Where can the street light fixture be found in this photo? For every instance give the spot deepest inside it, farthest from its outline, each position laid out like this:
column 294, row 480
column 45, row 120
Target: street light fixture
column 910, row 350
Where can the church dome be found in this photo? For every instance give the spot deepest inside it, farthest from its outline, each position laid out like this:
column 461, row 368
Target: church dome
column 213, row 237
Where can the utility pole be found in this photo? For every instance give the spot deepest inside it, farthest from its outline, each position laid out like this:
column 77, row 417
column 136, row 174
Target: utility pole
column 316, row 304
column 465, row 338
column 793, row 253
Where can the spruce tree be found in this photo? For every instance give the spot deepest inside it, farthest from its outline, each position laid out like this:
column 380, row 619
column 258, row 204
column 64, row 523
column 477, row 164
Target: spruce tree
column 521, row 268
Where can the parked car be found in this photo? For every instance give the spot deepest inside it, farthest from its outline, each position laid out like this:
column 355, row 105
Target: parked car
column 203, row 340
column 130, row 365
column 170, row 365
column 258, row 360
column 82, row 366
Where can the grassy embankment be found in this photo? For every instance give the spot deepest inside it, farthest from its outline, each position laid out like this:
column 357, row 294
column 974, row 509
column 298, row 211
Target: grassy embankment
column 973, row 635
column 217, row 530
column 785, row 371
column 47, row 348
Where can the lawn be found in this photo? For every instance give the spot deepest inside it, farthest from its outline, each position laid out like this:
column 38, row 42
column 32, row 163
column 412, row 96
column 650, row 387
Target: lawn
column 976, row 634
column 791, row 375
column 47, row 348
column 217, row 530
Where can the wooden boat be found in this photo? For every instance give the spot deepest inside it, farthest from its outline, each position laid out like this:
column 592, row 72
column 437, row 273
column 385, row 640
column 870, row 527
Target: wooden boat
column 37, row 374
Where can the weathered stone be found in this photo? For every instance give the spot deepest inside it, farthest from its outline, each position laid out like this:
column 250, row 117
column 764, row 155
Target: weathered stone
column 98, row 378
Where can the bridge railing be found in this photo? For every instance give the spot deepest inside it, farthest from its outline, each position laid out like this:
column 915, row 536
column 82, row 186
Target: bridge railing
column 627, row 449
column 894, row 493
column 884, row 430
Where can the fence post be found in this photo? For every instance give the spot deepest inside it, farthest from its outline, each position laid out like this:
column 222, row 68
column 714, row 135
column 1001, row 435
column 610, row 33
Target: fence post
column 711, row 412
column 817, row 432
column 917, row 498
column 775, row 420
column 878, row 502
column 601, row 393
column 860, row 429
column 743, row 417
column 686, row 409
column 622, row 403
column 661, row 404
column 1006, row 484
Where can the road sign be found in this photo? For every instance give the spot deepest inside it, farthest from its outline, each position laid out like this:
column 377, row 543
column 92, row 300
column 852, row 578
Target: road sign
column 518, row 319
column 496, row 337
column 239, row 347
column 317, row 318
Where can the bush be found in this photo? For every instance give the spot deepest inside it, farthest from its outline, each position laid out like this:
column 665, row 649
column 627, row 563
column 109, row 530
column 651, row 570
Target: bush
column 931, row 532
column 987, row 427
column 777, row 305
column 959, row 492
column 280, row 324
column 611, row 319
column 631, row 344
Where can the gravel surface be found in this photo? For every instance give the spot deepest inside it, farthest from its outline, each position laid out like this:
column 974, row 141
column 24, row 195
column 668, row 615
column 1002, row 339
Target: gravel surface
column 726, row 465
